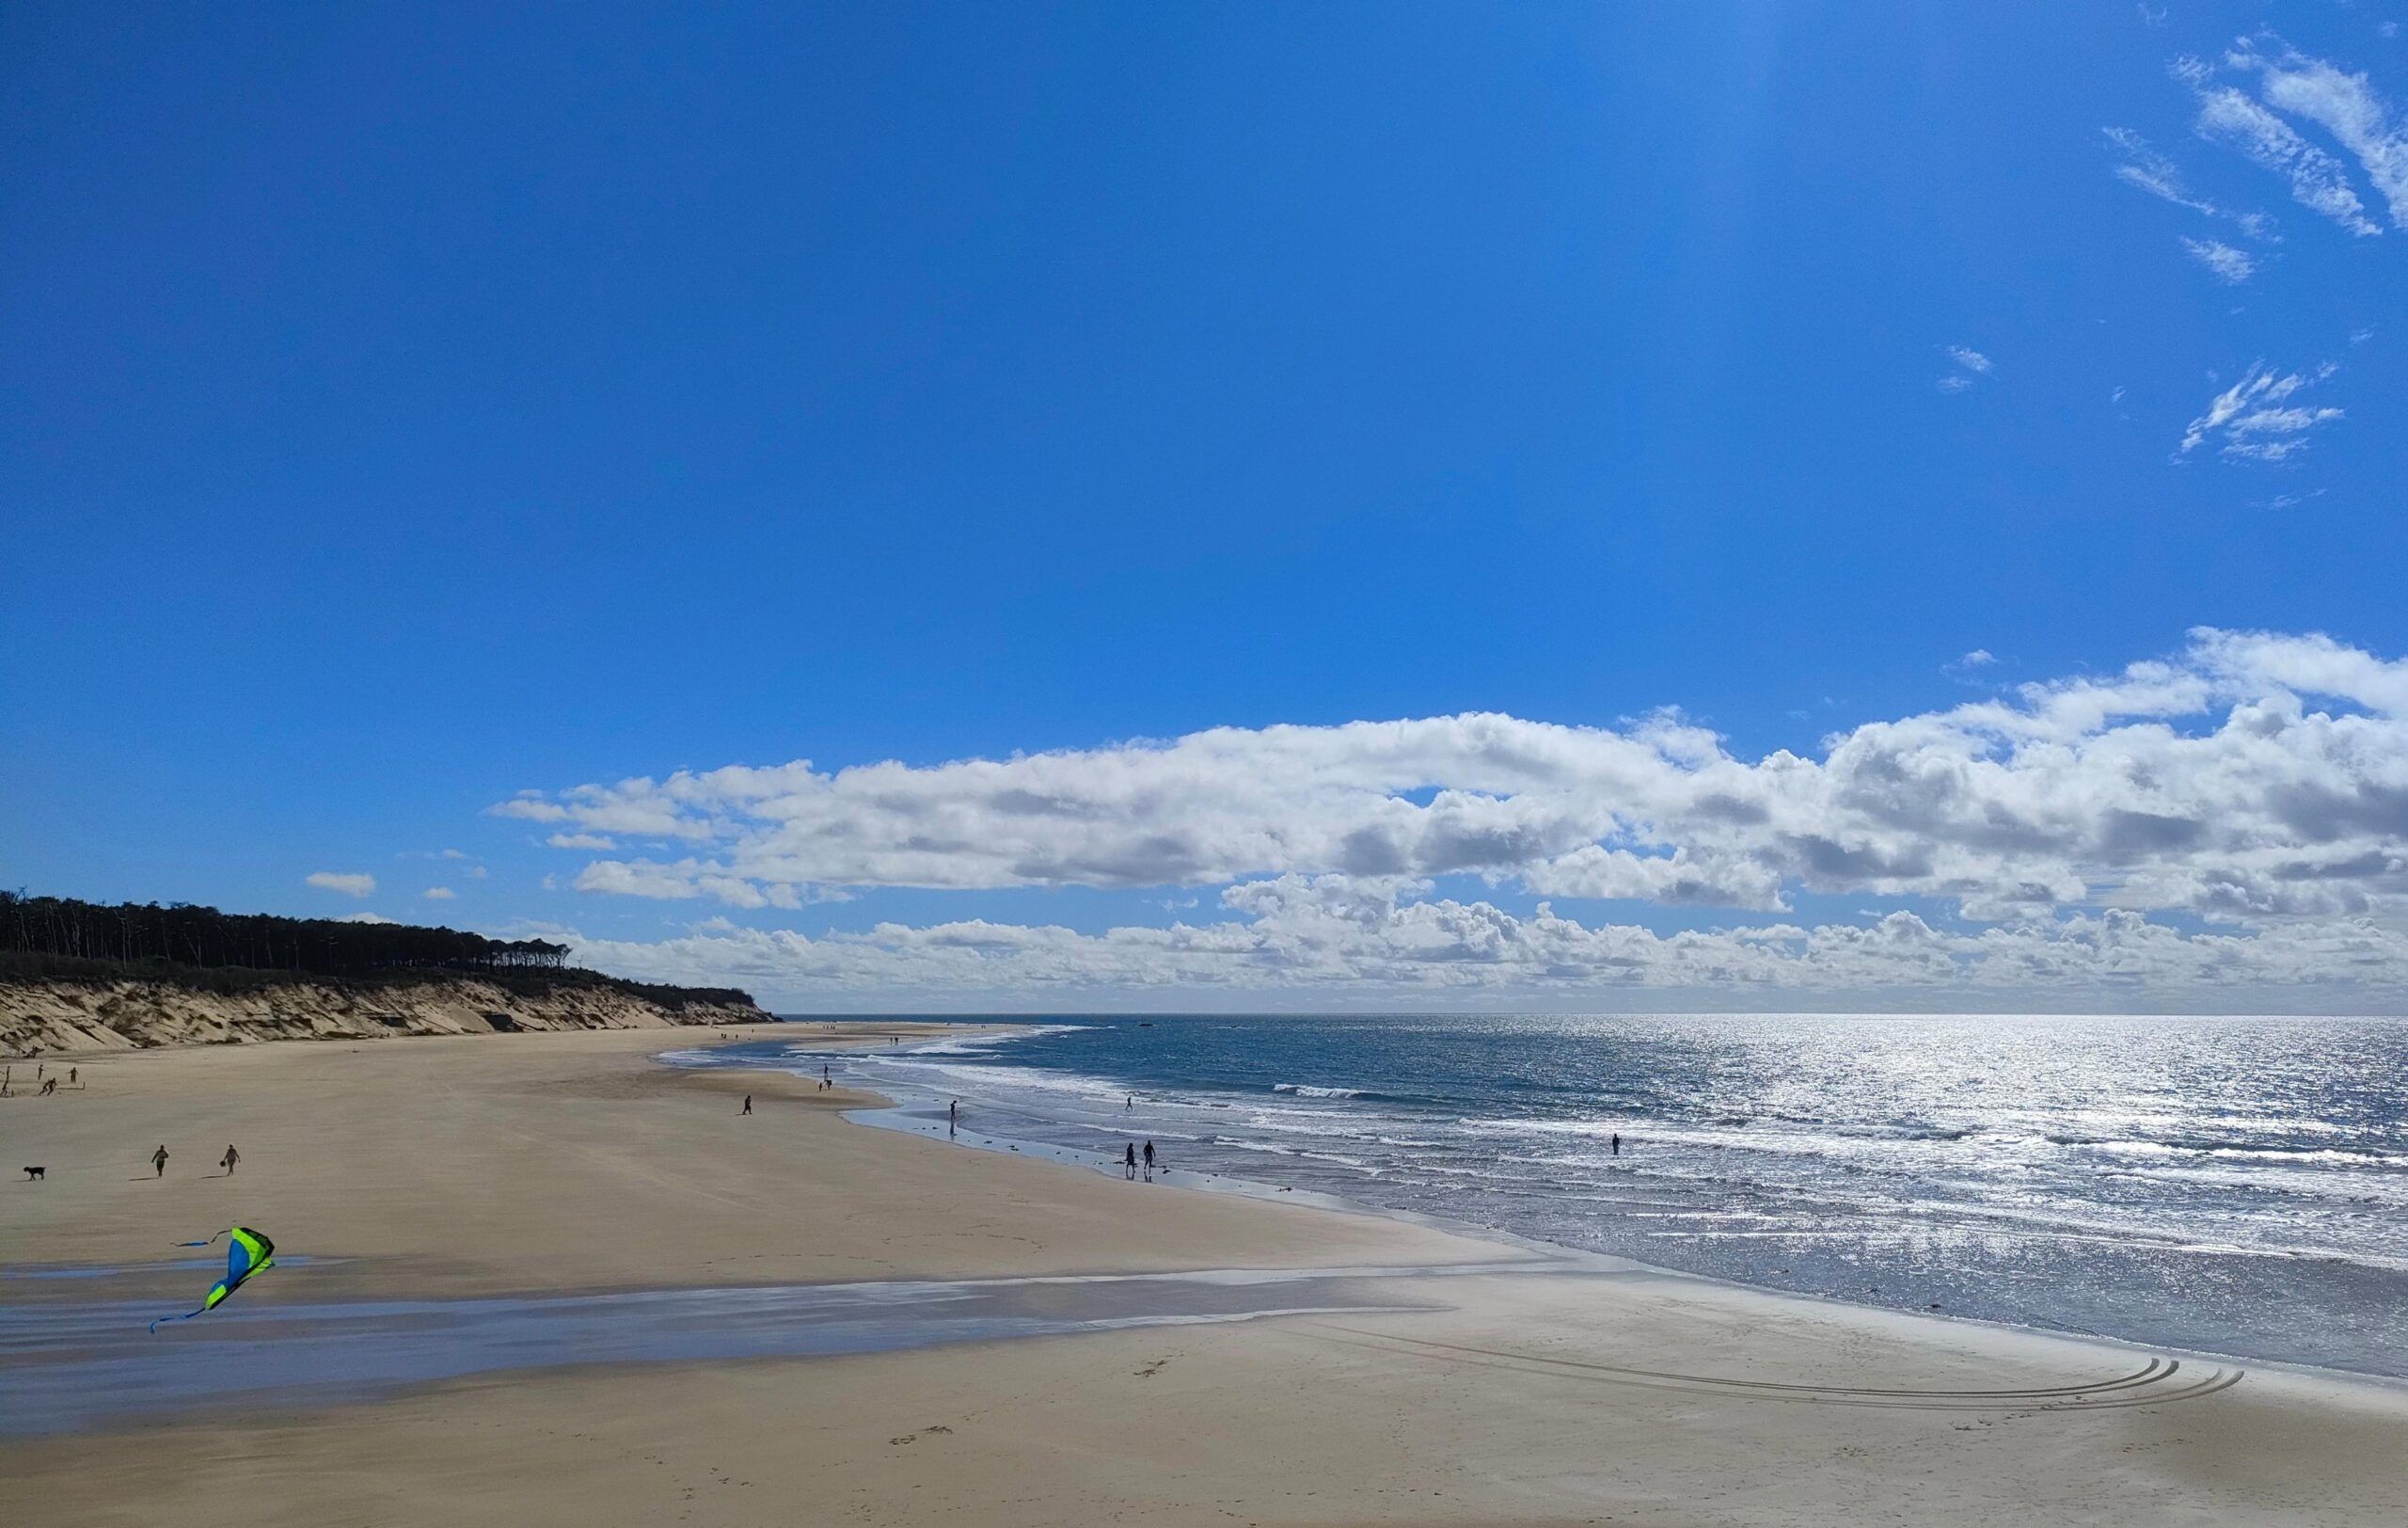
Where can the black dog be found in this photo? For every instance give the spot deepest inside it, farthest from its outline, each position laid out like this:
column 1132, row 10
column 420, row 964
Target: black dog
column 31, row 1174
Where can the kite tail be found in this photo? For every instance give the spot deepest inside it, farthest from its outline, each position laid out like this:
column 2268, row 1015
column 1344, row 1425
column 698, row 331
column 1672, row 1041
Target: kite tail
column 186, row 1317
column 211, row 1242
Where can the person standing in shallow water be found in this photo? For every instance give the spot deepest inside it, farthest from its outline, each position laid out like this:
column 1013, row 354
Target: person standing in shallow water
column 158, row 1163
column 1128, row 1162
column 953, row 1117
column 1617, row 1145
column 1150, row 1161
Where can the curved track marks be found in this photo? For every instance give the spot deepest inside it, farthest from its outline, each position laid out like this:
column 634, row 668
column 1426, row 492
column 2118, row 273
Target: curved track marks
column 2148, row 1385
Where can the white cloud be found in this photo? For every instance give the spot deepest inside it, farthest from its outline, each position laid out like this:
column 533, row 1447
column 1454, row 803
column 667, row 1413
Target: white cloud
column 439, row 894
column 365, row 918
column 1331, row 938
column 2249, row 777
column 581, row 840
column 1971, row 364
column 2142, row 168
column 349, row 885
column 2229, row 264
column 2227, row 115
column 2147, row 170
column 2347, row 107
column 2251, row 421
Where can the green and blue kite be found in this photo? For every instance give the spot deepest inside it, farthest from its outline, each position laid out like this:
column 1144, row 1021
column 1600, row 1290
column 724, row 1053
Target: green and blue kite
column 246, row 1254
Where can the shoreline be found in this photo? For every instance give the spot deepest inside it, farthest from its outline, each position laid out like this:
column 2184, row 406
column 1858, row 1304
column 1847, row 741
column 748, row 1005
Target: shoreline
column 541, row 1165
column 891, row 1114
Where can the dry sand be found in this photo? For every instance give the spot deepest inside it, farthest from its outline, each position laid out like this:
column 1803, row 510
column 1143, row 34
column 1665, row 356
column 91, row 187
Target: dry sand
column 571, row 1161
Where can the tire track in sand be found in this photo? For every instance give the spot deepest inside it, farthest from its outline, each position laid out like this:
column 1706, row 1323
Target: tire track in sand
column 2145, row 1386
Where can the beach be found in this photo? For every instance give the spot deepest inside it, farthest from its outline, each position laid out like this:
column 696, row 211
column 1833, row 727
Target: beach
column 450, row 1170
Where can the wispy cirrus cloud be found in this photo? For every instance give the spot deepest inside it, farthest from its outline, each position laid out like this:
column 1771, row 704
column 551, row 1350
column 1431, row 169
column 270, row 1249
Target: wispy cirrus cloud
column 1971, row 364
column 2345, row 104
column 2141, row 166
column 2229, row 264
column 2145, row 169
column 2294, row 87
column 2253, row 419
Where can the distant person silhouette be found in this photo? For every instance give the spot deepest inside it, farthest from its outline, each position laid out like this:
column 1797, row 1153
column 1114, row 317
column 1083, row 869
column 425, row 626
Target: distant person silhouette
column 1617, row 1145
column 71, row 1078
column 227, row 1161
column 748, row 1105
column 1150, row 1161
column 49, row 1087
column 953, row 1117
column 1128, row 1162
column 158, row 1163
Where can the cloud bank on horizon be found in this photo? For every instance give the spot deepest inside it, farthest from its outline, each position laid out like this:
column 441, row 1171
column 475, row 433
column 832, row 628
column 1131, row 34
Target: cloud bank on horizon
column 2235, row 814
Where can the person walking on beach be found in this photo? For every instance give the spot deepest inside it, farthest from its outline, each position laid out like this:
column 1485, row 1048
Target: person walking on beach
column 748, row 1105
column 70, row 1077
column 229, row 1160
column 49, row 1087
column 953, row 1117
column 1150, row 1161
column 1131, row 1106
column 159, row 1162
column 1128, row 1162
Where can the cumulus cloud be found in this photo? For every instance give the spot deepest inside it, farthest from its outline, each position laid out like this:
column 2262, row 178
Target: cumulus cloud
column 365, row 918
column 1375, row 941
column 2254, row 421
column 2248, row 777
column 2229, row 264
column 578, row 841
column 348, row 883
column 439, row 894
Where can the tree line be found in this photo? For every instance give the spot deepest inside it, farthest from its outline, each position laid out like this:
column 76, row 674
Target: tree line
column 181, row 934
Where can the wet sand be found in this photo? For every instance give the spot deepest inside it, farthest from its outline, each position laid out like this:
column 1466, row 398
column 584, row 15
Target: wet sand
column 434, row 1168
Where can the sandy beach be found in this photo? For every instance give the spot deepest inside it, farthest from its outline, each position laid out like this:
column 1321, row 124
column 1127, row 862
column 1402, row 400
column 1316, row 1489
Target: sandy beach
column 435, row 1169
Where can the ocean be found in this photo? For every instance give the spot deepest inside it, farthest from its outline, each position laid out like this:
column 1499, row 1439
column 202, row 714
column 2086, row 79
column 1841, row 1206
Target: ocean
column 2228, row 1185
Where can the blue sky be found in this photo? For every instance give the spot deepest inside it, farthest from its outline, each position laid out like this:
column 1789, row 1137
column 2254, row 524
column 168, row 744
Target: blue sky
column 410, row 407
